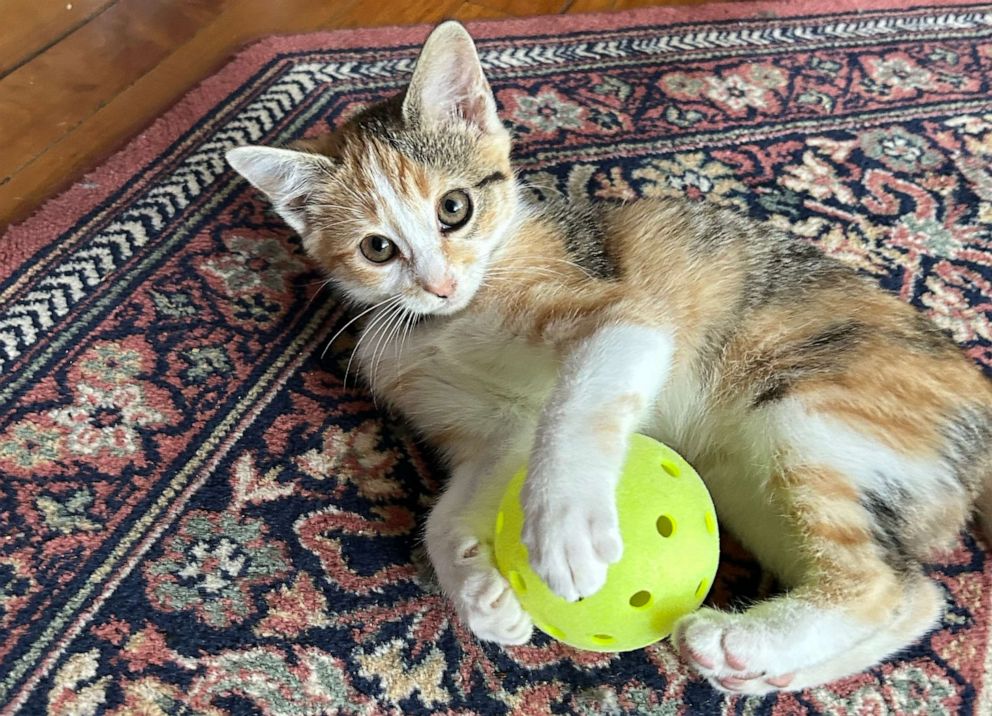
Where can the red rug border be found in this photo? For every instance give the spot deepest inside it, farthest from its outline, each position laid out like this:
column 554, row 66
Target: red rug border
column 58, row 213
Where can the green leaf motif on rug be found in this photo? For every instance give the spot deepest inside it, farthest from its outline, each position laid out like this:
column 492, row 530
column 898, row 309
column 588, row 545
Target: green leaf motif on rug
column 174, row 305
column 313, row 684
column 68, row 515
column 210, row 565
column 205, row 362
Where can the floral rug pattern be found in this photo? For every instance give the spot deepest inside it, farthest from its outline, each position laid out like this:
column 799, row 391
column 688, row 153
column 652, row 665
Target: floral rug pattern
column 200, row 515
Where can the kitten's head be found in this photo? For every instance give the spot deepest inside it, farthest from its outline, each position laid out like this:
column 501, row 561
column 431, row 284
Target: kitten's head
column 410, row 197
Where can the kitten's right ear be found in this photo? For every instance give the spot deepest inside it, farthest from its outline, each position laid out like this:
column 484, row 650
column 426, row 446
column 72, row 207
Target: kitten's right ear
column 286, row 177
column 448, row 83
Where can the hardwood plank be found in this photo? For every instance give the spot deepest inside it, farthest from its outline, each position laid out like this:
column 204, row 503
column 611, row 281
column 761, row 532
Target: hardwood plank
column 630, row 4
column 411, row 12
column 599, row 6
column 473, row 11
column 57, row 90
column 123, row 115
column 522, row 8
column 30, row 26
column 577, row 6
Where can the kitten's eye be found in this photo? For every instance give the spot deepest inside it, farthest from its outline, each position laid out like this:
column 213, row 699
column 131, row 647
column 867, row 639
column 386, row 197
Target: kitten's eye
column 454, row 209
column 377, row 249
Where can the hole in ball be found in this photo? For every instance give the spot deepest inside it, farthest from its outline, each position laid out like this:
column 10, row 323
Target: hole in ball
column 603, row 639
column 665, row 525
column 640, row 599
column 500, row 519
column 552, row 631
column 703, row 587
column 671, row 468
column 517, row 582
column 710, row 523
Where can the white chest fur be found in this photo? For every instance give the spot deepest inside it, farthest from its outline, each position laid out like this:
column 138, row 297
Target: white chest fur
column 465, row 372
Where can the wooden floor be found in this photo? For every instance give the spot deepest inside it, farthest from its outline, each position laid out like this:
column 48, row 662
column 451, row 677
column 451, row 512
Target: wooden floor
column 79, row 77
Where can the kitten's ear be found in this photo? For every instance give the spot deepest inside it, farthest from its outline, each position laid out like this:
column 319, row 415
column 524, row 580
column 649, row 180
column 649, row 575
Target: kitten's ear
column 448, row 83
column 286, row 177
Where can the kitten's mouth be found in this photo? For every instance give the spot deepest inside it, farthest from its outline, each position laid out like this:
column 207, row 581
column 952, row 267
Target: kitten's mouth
column 422, row 308
column 452, row 304
column 436, row 306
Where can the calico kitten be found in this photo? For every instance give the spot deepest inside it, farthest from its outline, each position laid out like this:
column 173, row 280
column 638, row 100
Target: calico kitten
column 843, row 438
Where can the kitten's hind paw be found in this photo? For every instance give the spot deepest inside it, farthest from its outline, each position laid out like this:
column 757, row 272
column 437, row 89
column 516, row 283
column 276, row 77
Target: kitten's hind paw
column 725, row 649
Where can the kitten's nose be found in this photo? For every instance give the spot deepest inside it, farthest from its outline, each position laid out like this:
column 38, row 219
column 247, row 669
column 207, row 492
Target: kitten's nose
column 443, row 288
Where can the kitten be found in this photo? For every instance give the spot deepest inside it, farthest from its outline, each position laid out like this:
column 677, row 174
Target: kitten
column 844, row 439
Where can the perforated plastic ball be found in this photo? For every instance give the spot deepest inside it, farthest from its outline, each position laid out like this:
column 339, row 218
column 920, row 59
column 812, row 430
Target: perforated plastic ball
column 671, row 548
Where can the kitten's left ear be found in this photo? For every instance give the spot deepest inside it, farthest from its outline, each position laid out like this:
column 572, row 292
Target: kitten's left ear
column 448, row 83
column 287, row 177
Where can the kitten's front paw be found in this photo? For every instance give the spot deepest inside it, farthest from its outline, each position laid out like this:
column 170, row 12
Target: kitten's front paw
column 491, row 610
column 485, row 601
column 571, row 539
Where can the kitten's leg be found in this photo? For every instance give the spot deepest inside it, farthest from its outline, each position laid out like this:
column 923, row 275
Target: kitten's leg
column 605, row 387
column 857, row 603
column 459, row 537
column 916, row 615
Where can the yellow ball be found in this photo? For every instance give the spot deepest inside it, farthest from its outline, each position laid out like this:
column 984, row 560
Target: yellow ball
column 671, row 548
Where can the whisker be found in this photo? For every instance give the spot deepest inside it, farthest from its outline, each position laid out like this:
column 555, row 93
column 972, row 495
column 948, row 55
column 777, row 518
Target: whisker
column 316, row 293
column 329, row 205
column 523, row 273
column 538, row 257
column 526, row 269
column 403, row 320
column 322, row 282
column 380, row 330
column 345, row 326
column 367, row 332
column 411, row 321
column 572, row 263
column 382, row 345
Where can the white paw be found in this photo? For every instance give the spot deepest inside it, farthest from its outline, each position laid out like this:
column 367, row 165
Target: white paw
column 485, row 601
column 734, row 652
column 571, row 538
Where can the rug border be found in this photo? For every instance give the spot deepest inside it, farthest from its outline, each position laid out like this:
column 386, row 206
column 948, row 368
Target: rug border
column 58, row 213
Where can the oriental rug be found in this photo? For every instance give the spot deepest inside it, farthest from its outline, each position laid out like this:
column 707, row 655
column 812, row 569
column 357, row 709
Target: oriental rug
column 198, row 515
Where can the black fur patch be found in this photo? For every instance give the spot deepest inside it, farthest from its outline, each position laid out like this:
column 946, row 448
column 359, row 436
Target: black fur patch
column 771, row 391
column 928, row 337
column 491, row 179
column 967, row 441
column 585, row 236
column 434, row 148
column 381, row 120
column 888, row 528
column 789, row 269
column 823, row 353
column 713, row 228
column 833, row 341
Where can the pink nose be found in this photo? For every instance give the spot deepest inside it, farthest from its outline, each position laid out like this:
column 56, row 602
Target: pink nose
column 443, row 288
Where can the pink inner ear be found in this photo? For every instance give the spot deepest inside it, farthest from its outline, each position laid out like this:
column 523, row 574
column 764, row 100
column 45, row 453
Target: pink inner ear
column 473, row 108
column 471, row 93
column 453, row 86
